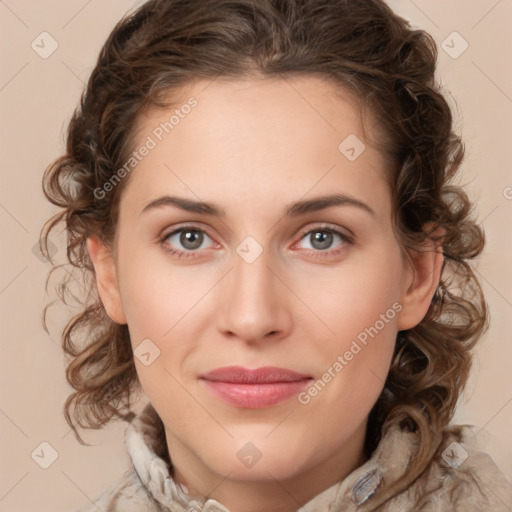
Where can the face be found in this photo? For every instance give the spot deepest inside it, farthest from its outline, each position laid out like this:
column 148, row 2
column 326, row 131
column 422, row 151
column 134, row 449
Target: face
column 292, row 264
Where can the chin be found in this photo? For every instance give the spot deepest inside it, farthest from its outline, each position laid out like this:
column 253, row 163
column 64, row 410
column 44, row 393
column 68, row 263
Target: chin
column 260, row 459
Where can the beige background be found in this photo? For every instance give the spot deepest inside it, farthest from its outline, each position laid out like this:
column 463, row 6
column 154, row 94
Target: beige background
column 37, row 97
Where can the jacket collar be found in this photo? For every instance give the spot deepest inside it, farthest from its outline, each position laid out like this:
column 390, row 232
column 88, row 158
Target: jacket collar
column 147, row 448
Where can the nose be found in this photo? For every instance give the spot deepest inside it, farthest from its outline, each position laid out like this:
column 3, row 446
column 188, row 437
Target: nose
column 254, row 306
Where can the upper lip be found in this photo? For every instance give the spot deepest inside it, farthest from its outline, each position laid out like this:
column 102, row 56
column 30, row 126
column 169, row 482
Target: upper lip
column 241, row 375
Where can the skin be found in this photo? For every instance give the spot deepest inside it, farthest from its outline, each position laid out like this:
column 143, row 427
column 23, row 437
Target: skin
column 252, row 148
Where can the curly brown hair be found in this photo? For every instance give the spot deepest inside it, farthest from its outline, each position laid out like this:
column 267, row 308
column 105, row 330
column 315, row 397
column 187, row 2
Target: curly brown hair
column 360, row 45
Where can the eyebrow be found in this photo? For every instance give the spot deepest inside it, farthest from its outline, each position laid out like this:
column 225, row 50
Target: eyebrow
column 292, row 210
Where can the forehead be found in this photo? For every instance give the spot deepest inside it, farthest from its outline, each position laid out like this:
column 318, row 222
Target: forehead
column 260, row 105
column 289, row 134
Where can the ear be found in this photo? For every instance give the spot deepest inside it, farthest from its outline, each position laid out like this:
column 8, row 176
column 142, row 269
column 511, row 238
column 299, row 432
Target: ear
column 106, row 279
column 420, row 283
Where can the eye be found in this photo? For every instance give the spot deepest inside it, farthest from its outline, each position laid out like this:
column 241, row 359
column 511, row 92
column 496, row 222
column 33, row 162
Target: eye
column 322, row 239
column 185, row 240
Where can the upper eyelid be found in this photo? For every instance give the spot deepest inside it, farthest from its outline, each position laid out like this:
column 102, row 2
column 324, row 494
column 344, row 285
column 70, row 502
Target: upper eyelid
column 171, row 231
column 326, row 227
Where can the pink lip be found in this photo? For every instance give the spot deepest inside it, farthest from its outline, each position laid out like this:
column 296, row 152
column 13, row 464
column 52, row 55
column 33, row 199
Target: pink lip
column 254, row 389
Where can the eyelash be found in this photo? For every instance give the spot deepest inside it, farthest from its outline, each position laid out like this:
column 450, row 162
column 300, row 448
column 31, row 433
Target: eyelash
column 347, row 241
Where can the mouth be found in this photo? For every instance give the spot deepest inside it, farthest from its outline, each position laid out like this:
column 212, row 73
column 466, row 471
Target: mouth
column 254, row 389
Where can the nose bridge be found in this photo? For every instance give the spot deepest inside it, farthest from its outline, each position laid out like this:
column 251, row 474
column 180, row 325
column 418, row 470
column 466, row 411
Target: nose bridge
column 253, row 305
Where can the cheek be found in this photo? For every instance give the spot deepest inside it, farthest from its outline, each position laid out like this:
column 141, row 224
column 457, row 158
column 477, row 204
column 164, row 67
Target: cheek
column 161, row 305
column 360, row 308
column 157, row 297
column 355, row 298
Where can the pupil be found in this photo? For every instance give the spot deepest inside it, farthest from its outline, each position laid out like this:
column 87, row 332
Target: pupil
column 321, row 240
column 191, row 239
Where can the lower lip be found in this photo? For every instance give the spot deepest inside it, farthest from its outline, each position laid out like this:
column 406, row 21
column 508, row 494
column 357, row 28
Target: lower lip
column 255, row 396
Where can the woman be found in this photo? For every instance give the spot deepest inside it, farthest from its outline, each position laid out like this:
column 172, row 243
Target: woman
column 262, row 195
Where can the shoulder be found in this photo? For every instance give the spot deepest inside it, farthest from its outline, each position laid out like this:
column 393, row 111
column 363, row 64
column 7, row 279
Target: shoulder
column 461, row 478
column 127, row 494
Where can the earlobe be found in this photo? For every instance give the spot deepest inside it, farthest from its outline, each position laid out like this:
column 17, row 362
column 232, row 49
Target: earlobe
column 106, row 279
column 420, row 284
